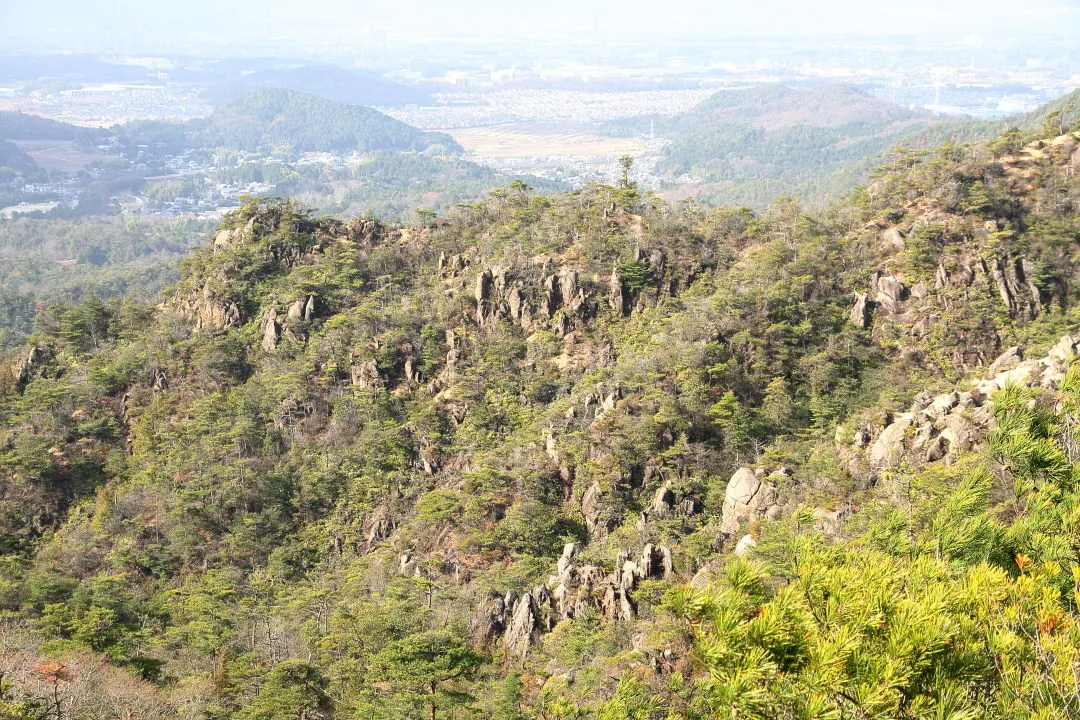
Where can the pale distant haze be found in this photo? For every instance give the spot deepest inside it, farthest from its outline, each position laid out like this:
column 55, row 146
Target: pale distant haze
column 140, row 25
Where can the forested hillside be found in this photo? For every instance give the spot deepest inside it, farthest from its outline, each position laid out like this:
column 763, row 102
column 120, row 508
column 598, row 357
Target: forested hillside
column 269, row 118
column 21, row 126
column 13, row 160
column 587, row 456
column 47, row 264
column 753, row 145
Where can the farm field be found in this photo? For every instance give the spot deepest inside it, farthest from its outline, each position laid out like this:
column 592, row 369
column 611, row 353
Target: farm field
column 57, row 155
column 516, row 140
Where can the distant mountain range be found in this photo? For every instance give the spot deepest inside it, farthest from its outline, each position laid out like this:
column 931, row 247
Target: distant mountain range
column 221, row 79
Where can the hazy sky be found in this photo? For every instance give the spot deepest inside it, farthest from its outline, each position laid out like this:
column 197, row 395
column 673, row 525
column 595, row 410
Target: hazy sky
column 51, row 22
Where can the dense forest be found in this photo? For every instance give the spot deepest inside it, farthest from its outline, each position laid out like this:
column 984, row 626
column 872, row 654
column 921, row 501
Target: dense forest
column 586, row 456
column 49, row 262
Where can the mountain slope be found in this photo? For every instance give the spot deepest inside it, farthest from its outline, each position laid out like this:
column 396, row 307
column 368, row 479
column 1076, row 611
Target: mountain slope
column 269, row 118
column 14, row 159
column 754, row 145
column 507, row 464
column 20, row 126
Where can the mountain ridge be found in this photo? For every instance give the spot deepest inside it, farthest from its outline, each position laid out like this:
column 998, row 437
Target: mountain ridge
column 571, row 456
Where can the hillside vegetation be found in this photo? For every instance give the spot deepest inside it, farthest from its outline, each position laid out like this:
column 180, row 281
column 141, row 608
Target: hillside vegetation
column 21, row 126
column 47, row 263
column 754, row 145
column 270, row 118
column 586, row 456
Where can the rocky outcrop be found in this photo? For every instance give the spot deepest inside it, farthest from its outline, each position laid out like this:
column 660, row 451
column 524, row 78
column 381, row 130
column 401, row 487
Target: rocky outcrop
column 269, row 330
column 748, row 497
column 860, row 311
column 303, row 308
column 451, row 265
column 273, row 325
column 662, row 502
column 203, row 308
column 365, row 232
column 889, row 443
column 532, row 615
column 483, row 298
column 1009, row 277
column 938, row 427
column 745, row 545
column 590, row 509
column 1008, row 360
column 365, row 375
column 377, row 526
column 543, row 295
column 892, row 240
column 574, row 589
column 554, row 300
column 888, row 293
column 616, row 294
column 409, row 564
column 29, row 365
column 1018, row 292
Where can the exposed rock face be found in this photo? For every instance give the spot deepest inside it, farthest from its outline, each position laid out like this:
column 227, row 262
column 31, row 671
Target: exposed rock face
column 573, row 589
column 662, row 502
column 1010, row 278
column 860, row 312
column 937, row 428
column 532, row 615
column 377, row 527
column 892, row 239
column 889, row 443
column 365, row 375
column 888, row 293
column 557, row 301
column 204, row 309
column 747, row 497
column 451, row 265
column 29, row 365
column 492, row 618
column 590, row 503
column 409, row 565
column 744, row 546
column 482, row 295
column 365, row 232
column 543, row 295
column 616, row 296
column 1006, row 361
column 270, row 329
column 303, row 308
column 1018, row 293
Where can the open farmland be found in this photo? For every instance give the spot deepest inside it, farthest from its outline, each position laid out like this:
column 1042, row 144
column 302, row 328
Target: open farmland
column 515, row 140
column 58, row 155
